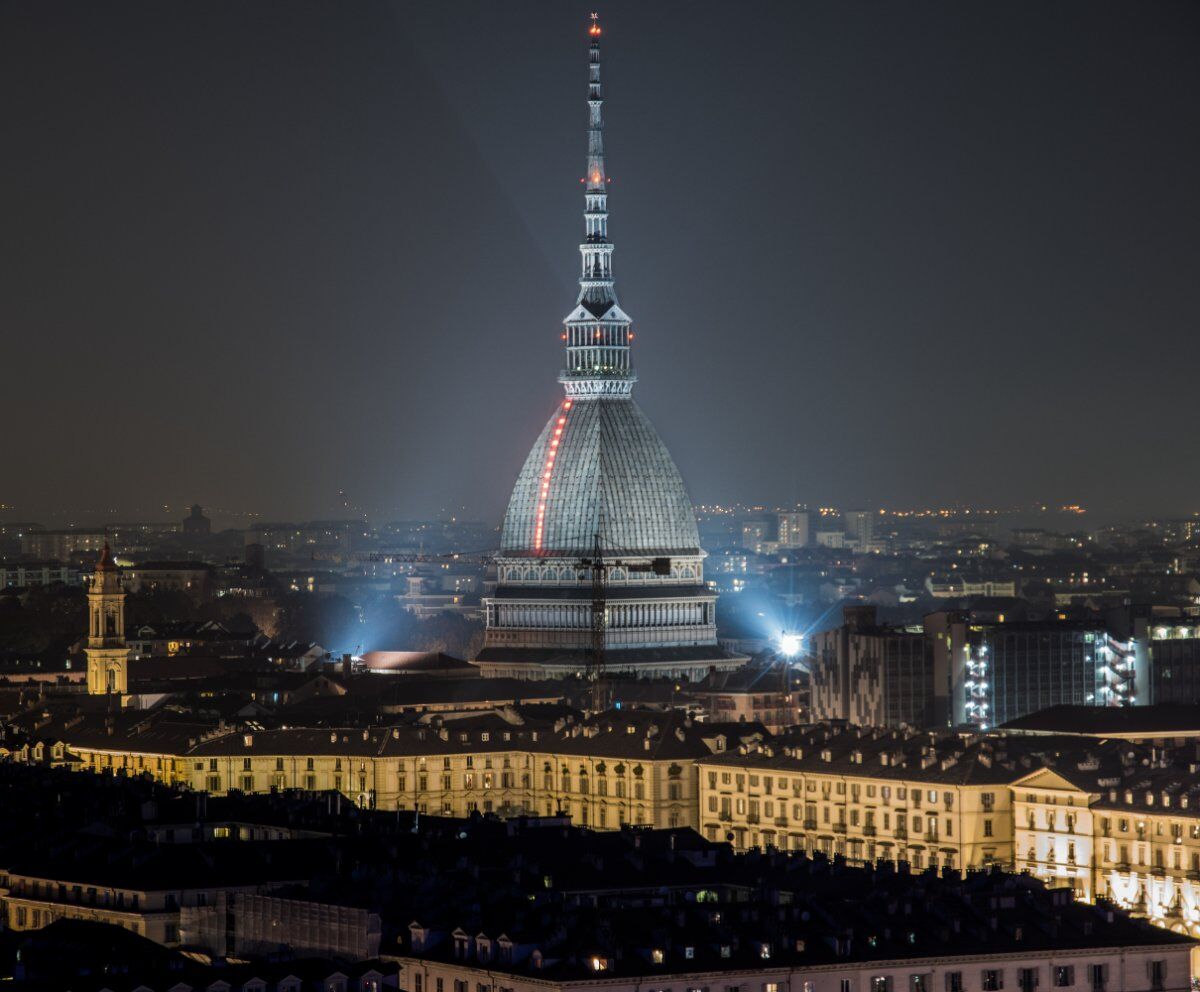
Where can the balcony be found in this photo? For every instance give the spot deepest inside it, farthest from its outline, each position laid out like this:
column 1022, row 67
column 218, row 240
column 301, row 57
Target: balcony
column 839, row 828
column 753, row 818
column 931, row 837
column 725, row 816
column 869, row 830
column 781, row 821
column 900, row 834
column 810, row 824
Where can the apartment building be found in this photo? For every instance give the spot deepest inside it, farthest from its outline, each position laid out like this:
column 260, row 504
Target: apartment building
column 926, row 800
column 622, row 767
column 1122, row 824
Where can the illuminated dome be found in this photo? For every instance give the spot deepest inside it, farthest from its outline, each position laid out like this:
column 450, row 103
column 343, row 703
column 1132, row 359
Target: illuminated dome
column 611, row 475
column 599, row 474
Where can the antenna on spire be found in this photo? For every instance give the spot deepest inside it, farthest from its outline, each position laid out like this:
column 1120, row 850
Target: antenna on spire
column 594, row 30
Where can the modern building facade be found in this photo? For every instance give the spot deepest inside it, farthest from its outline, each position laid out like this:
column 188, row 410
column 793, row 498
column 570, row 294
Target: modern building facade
column 990, row 673
column 793, row 528
column 29, row 574
column 599, row 486
column 1173, row 656
column 871, row 674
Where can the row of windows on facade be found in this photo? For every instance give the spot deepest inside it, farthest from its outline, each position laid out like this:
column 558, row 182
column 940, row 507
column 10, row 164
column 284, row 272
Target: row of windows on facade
column 674, row 771
column 903, row 793
column 1175, row 831
column 1119, row 856
column 855, row 851
column 807, row 814
column 990, row 980
column 470, row 781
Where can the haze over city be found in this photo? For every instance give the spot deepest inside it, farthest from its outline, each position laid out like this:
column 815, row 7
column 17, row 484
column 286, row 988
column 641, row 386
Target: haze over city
column 258, row 255
column 669, row 498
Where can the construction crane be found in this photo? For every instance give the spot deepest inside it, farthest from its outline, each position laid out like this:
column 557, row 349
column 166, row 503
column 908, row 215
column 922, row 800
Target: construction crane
column 599, row 567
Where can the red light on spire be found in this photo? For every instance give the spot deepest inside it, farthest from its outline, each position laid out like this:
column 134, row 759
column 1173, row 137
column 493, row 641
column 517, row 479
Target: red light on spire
column 594, row 30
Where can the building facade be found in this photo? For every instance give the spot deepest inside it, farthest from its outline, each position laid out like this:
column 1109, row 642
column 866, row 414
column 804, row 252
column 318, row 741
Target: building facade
column 922, row 800
column 1131, row 839
column 871, row 674
column 26, row 575
column 991, row 673
column 623, row 767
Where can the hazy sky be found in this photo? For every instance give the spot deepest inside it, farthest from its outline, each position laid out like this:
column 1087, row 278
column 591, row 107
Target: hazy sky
column 876, row 253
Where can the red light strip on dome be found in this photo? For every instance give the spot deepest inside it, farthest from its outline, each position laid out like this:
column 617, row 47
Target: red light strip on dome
column 547, row 471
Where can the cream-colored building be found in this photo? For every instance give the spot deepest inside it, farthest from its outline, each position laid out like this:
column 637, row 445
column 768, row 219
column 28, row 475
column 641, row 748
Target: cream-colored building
column 865, row 795
column 1133, row 838
column 633, row 767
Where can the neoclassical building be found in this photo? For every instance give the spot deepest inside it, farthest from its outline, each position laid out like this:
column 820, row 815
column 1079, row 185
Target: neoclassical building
column 600, row 484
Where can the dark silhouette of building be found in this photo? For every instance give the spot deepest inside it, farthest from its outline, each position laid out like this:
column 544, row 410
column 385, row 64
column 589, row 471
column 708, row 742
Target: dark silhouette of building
column 196, row 524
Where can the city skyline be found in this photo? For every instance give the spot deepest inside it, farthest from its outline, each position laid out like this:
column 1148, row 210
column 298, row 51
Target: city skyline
column 251, row 238
column 361, row 630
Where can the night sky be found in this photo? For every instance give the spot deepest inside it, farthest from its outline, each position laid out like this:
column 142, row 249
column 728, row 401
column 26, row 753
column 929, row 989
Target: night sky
column 876, row 254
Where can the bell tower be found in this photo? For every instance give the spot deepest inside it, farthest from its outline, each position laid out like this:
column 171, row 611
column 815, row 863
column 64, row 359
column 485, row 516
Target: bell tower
column 107, row 654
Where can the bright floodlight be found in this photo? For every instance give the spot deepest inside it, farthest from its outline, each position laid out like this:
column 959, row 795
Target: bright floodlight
column 790, row 644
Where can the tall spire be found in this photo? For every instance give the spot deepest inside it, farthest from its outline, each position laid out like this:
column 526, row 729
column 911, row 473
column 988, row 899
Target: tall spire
column 596, row 332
